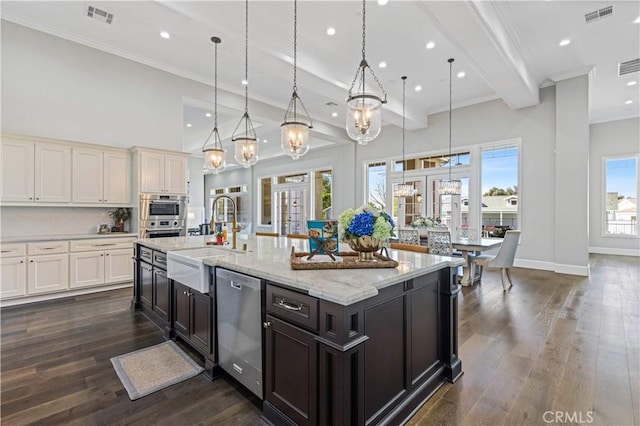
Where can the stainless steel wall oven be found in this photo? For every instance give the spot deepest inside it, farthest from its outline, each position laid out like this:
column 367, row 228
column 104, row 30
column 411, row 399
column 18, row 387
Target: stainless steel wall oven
column 163, row 215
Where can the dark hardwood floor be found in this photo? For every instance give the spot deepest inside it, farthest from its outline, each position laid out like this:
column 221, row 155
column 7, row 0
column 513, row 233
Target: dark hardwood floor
column 557, row 344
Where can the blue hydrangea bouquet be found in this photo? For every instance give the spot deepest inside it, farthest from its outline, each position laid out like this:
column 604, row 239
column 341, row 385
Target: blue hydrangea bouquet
column 365, row 221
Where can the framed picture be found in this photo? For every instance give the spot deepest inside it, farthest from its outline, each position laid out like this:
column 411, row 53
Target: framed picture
column 323, row 235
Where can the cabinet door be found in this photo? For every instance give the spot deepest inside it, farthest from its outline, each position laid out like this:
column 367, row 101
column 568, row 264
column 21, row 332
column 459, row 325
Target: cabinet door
column 117, row 178
column 201, row 320
column 47, row 273
column 423, row 328
column 161, row 293
column 117, row 265
column 87, row 269
column 87, row 175
column 146, row 285
column 151, row 172
column 291, row 371
column 175, row 179
column 181, row 301
column 13, row 277
column 17, row 171
column 52, row 173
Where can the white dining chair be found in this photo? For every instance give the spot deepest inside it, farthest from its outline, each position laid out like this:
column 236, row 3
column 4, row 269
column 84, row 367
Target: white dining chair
column 409, row 236
column 440, row 243
column 503, row 260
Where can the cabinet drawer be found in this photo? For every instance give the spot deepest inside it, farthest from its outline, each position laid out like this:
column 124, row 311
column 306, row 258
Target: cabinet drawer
column 145, row 254
column 45, row 247
column 297, row 308
column 13, row 250
column 101, row 244
column 160, row 259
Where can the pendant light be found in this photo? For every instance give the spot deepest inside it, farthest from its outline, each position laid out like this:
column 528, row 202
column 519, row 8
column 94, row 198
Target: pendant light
column 450, row 186
column 213, row 153
column 244, row 135
column 294, row 138
column 364, row 108
column 404, row 189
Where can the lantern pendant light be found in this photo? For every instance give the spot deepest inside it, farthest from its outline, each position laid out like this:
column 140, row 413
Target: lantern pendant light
column 213, row 153
column 244, row 135
column 364, row 108
column 404, row 189
column 294, row 138
column 450, row 186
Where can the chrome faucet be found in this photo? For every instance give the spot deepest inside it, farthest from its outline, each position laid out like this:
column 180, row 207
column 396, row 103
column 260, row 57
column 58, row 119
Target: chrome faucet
column 234, row 225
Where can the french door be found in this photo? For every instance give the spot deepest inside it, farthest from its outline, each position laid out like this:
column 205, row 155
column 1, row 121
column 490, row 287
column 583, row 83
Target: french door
column 290, row 208
column 405, row 209
column 453, row 211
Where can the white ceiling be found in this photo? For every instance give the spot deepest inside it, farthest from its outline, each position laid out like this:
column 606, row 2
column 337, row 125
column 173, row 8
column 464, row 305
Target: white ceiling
column 508, row 50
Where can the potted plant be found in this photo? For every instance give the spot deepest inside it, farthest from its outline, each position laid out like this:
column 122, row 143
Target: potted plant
column 364, row 229
column 423, row 224
column 120, row 216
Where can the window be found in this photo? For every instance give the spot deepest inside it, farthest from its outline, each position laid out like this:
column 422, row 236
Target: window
column 265, row 198
column 458, row 159
column 621, row 195
column 323, row 184
column 500, row 176
column 377, row 185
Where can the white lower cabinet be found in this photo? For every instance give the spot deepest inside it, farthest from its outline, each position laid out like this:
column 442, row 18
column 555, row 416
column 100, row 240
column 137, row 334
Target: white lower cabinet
column 13, row 277
column 87, row 269
column 47, row 273
column 118, row 266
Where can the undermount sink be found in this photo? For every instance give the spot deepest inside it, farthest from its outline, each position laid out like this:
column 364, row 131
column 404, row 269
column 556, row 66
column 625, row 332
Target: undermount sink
column 187, row 267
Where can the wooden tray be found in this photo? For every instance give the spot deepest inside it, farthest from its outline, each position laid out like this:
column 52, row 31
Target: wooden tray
column 349, row 261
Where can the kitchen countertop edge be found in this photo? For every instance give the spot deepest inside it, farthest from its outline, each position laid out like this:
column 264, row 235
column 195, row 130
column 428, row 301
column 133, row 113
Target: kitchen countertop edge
column 62, row 237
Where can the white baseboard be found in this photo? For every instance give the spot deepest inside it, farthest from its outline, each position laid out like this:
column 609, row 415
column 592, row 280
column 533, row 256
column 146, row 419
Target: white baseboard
column 552, row 266
column 63, row 294
column 614, row 251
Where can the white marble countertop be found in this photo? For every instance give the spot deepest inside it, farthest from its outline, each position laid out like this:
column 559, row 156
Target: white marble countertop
column 269, row 258
column 60, row 237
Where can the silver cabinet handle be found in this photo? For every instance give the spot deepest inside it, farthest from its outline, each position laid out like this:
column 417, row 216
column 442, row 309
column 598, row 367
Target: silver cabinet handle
column 235, row 285
column 289, row 306
column 49, row 248
column 267, row 324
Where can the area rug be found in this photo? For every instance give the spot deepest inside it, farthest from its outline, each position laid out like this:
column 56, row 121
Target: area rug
column 150, row 369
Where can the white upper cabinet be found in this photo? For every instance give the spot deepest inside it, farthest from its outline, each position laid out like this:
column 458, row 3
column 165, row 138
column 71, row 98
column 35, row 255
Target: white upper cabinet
column 35, row 172
column 101, row 176
column 162, row 173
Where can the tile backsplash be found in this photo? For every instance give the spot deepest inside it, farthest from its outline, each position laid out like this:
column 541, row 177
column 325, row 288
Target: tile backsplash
column 38, row 221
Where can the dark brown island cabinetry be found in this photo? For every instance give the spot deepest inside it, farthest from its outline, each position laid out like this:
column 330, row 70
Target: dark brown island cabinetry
column 371, row 362
column 193, row 317
column 153, row 286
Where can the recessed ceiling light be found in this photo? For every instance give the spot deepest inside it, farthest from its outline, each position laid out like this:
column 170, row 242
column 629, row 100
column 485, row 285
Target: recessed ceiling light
column 188, row 124
column 383, row 2
column 264, row 141
column 461, row 74
column 334, row 114
column 431, row 45
column 382, row 64
column 629, row 102
column 632, row 83
column 331, row 31
column 565, row 42
column 418, row 88
column 165, row 35
column 208, row 114
column 245, row 82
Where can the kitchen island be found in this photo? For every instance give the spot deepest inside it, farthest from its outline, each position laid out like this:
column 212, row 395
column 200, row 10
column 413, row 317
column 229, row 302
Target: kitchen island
column 347, row 346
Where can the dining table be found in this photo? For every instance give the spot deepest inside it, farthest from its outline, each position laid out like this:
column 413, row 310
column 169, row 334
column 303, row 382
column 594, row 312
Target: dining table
column 475, row 245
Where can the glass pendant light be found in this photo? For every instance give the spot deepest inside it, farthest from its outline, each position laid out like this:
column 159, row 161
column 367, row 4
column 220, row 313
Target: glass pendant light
column 244, row 135
column 450, row 186
column 294, row 138
column 404, row 189
column 364, row 108
column 214, row 155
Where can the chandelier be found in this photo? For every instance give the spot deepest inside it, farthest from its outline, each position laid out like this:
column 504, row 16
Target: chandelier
column 404, row 189
column 244, row 135
column 213, row 153
column 364, row 108
column 450, row 186
column 294, row 138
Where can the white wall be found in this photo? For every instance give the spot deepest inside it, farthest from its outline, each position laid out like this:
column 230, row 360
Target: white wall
column 612, row 138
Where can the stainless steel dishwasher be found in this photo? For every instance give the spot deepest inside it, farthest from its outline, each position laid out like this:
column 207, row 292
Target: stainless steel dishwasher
column 239, row 307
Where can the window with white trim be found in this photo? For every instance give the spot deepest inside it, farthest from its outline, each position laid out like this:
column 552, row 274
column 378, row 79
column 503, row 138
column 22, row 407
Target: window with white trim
column 620, row 195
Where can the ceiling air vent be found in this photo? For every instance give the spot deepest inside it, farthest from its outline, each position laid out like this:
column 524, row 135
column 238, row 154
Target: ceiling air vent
column 629, row 66
column 598, row 14
column 99, row 14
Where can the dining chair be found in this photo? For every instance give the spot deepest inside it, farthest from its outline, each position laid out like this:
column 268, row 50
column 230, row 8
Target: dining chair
column 409, row 236
column 440, row 243
column 299, row 236
column 409, row 247
column 503, row 260
column 267, row 234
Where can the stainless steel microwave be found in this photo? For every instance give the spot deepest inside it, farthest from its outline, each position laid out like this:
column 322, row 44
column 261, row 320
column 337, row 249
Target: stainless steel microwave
column 163, row 207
